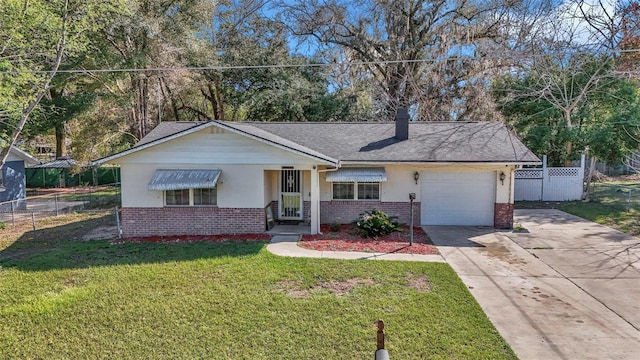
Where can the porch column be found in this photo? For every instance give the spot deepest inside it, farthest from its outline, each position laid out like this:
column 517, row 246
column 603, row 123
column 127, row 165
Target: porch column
column 315, row 201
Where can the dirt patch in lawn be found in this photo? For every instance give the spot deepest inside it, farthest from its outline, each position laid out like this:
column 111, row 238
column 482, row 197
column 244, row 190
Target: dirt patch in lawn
column 101, row 233
column 420, row 283
column 339, row 288
column 347, row 238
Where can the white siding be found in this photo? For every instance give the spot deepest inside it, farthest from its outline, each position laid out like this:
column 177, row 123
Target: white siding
column 211, row 147
column 400, row 181
column 238, row 186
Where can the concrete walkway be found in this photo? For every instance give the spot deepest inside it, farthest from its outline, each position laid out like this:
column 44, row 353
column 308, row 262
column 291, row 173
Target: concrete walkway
column 287, row 245
column 567, row 289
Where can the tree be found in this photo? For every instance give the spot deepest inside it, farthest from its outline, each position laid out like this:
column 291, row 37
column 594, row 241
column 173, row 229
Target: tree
column 629, row 45
column 574, row 105
column 151, row 36
column 250, row 74
column 26, row 61
column 416, row 52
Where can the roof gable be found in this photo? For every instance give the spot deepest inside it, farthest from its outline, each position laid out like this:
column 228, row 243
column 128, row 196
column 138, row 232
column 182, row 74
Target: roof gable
column 169, row 131
column 17, row 154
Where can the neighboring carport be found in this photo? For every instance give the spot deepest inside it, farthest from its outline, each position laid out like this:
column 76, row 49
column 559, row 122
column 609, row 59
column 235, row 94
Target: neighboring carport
column 567, row 289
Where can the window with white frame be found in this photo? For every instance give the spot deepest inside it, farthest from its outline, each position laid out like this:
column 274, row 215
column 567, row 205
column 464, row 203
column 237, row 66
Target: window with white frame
column 191, row 197
column 356, row 191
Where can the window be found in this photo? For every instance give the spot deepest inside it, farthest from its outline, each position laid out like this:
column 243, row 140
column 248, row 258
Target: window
column 191, row 197
column 205, row 196
column 177, row 197
column 342, row 191
column 356, row 191
column 368, row 191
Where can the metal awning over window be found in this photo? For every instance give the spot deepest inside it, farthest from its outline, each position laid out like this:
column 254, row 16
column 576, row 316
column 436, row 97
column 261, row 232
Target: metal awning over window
column 184, row 179
column 357, row 174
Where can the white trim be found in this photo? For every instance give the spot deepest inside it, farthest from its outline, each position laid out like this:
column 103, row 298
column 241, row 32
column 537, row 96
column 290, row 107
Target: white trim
column 191, row 198
column 314, row 212
column 355, row 190
column 434, row 163
column 150, row 144
column 325, row 161
column 26, row 157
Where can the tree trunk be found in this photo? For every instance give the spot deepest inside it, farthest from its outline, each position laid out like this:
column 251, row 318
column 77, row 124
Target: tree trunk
column 219, row 102
column 61, row 137
column 587, row 187
column 567, row 118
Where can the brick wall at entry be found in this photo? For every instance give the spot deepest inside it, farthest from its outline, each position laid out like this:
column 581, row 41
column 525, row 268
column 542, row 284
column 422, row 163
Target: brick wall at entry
column 503, row 216
column 345, row 211
column 191, row 221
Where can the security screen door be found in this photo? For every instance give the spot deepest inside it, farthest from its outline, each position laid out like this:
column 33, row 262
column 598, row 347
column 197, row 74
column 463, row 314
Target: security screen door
column 290, row 194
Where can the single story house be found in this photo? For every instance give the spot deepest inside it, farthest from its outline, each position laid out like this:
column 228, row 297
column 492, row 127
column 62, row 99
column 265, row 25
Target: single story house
column 225, row 177
column 13, row 185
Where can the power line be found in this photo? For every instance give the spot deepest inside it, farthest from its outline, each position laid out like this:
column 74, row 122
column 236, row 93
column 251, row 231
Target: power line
column 284, row 66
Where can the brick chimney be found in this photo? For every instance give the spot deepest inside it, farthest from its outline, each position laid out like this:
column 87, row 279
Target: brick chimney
column 402, row 124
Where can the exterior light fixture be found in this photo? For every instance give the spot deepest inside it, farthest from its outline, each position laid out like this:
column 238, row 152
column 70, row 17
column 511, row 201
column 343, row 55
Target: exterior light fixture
column 502, row 177
column 416, row 176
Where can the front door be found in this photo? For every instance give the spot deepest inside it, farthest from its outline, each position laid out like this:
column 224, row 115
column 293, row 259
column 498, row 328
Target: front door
column 290, row 195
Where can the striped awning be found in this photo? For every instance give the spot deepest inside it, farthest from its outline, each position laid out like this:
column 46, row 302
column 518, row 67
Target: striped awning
column 183, row 179
column 376, row 174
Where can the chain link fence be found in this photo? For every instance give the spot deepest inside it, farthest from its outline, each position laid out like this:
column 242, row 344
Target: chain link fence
column 52, row 202
column 624, row 196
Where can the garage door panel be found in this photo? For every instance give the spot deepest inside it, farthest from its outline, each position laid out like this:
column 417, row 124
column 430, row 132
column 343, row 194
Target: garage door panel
column 458, row 198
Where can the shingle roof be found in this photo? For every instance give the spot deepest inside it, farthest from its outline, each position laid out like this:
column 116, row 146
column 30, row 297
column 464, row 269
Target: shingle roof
column 449, row 142
column 428, row 141
column 60, row 163
column 167, row 128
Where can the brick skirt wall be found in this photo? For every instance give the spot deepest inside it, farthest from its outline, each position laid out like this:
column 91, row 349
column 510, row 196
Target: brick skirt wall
column 503, row 216
column 344, row 212
column 191, row 221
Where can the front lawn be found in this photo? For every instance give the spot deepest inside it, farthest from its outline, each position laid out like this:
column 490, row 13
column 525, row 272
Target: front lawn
column 231, row 300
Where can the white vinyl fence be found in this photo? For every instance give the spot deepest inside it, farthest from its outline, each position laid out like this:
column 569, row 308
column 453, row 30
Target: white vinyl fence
column 549, row 183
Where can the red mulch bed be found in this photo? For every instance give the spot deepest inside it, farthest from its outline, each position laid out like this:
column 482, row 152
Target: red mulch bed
column 348, row 239
column 194, row 238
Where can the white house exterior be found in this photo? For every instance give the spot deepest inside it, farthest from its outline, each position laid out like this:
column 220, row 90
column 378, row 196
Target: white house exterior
column 220, row 177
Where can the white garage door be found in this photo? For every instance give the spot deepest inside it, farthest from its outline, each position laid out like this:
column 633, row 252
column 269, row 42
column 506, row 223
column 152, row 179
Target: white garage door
column 458, row 198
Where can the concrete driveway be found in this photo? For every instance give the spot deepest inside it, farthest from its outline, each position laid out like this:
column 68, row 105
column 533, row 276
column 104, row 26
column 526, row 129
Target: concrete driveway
column 567, row 289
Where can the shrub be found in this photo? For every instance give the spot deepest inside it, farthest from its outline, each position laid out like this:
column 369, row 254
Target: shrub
column 334, row 227
column 2, row 225
column 376, row 223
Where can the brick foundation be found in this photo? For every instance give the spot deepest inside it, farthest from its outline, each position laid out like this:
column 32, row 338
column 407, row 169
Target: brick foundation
column 191, row 221
column 344, row 212
column 503, row 216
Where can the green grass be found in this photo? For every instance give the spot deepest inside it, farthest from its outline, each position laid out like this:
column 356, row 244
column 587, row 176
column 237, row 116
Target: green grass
column 230, row 300
column 614, row 204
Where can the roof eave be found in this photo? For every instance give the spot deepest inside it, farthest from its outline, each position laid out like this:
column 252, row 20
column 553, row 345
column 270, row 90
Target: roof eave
column 115, row 156
column 26, row 157
column 414, row 162
column 326, row 160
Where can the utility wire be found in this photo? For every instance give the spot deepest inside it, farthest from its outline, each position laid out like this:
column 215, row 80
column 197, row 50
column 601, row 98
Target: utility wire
column 282, row 66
